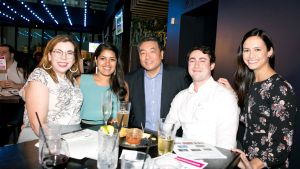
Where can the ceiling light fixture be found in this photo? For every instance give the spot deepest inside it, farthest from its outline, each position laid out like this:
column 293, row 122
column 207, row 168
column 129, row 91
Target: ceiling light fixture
column 48, row 11
column 31, row 11
column 66, row 11
column 14, row 11
column 85, row 11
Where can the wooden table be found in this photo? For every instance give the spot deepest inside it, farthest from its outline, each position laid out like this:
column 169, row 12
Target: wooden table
column 25, row 156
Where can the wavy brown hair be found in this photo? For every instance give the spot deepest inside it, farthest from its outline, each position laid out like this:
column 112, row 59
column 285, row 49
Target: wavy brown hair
column 49, row 48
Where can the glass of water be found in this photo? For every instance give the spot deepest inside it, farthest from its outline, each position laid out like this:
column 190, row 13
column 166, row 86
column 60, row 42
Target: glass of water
column 108, row 150
column 106, row 106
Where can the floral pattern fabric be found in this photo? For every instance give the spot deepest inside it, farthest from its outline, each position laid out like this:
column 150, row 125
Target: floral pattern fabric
column 65, row 99
column 269, row 114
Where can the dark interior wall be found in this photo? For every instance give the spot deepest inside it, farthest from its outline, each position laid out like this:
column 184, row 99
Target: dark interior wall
column 281, row 20
column 198, row 27
column 176, row 9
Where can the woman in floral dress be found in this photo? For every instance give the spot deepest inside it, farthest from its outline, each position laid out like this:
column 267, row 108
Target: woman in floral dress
column 51, row 90
column 267, row 102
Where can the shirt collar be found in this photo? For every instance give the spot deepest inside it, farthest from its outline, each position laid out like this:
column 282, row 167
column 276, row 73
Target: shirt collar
column 202, row 88
column 159, row 73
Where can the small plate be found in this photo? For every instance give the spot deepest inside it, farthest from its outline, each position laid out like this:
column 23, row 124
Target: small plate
column 152, row 142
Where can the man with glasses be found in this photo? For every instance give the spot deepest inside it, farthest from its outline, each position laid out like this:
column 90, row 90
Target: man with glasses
column 206, row 111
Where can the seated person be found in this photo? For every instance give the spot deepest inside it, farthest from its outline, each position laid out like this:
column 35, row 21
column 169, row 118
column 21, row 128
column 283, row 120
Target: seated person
column 206, row 111
column 108, row 76
column 12, row 78
column 153, row 86
column 51, row 90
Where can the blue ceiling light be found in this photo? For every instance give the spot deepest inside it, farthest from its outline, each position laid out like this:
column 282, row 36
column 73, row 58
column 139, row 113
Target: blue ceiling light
column 49, row 13
column 33, row 13
column 5, row 15
column 85, row 11
column 14, row 12
column 66, row 11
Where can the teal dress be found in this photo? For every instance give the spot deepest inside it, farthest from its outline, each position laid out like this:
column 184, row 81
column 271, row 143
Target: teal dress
column 91, row 111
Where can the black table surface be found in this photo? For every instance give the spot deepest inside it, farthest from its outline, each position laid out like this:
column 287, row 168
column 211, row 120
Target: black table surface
column 25, row 156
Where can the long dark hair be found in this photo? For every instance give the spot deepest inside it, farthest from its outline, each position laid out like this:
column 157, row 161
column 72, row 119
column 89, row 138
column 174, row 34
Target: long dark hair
column 244, row 76
column 117, row 81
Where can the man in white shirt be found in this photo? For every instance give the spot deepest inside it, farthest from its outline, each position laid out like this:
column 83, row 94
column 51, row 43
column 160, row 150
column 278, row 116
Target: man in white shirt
column 206, row 110
column 12, row 77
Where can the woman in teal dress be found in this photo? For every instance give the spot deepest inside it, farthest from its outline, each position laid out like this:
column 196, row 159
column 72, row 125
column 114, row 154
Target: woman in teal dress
column 108, row 76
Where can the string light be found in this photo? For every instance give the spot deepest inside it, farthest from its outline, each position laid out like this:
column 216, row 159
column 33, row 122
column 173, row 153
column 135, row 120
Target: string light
column 48, row 11
column 14, row 11
column 5, row 15
column 85, row 11
column 31, row 11
column 66, row 11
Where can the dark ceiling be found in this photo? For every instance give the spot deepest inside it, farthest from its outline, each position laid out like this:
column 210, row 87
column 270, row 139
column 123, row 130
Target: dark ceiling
column 96, row 13
column 17, row 8
column 150, row 8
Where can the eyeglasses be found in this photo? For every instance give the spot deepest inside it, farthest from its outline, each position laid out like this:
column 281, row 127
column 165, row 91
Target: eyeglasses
column 60, row 53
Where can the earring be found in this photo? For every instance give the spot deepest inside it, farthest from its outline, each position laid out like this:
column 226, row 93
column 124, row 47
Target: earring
column 73, row 71
column 96, row 70
column 47, row 68
column 115, row 72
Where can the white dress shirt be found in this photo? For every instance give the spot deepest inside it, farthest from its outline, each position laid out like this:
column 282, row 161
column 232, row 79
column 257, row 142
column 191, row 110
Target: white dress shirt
column 211, row 115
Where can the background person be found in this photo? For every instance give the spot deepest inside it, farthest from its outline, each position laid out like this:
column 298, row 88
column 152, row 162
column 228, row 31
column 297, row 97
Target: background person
column 12, row 78
column 206, row 111
column 52, row 91
column 108, row 76
column 268, row 104
column 153, row 86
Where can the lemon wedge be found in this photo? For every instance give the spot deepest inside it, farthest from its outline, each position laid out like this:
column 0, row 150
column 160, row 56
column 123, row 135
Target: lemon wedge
column 107, row 129
column 123, row 132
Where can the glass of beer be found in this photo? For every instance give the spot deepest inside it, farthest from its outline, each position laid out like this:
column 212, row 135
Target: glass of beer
column 166, row 136
column 124, row 111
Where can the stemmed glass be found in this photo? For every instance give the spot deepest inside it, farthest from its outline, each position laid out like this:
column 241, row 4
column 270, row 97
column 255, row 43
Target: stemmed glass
column 106, row 106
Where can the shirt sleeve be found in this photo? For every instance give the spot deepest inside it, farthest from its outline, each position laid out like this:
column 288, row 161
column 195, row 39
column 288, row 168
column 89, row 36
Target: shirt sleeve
column 281, row 125
column 228, row 120
column 38, row 75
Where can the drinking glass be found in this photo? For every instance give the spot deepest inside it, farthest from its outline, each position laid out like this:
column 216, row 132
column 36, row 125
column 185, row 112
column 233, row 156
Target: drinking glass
column 52, row 132
column 53, row 151
column 166, row 136
column 135, row 160
column 124, row 111
column 108, row 150
column 106, row 106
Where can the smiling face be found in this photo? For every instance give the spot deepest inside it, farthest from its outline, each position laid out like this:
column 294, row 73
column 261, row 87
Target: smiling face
column 62, row 58
column 106, row 63
column 199, row 66
column 150, row 57
column 255, row 54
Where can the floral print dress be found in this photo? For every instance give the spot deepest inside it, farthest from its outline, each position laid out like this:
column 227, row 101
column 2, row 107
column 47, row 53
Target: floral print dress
column 269, row 114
